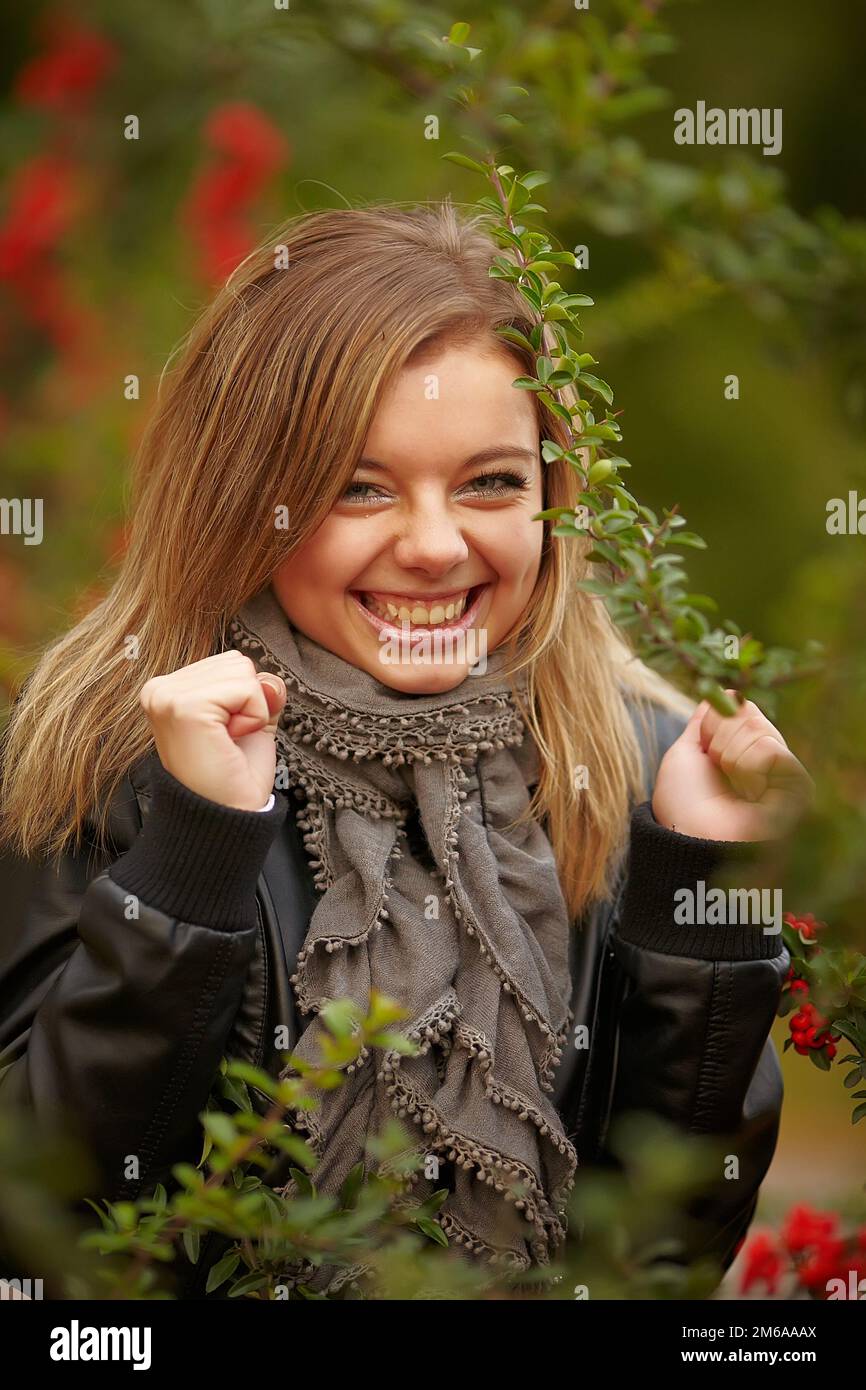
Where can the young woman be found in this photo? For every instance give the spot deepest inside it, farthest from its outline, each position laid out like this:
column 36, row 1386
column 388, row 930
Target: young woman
column 493, row 816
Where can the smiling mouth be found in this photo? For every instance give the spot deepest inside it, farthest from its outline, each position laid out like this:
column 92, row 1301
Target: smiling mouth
column 455, row 612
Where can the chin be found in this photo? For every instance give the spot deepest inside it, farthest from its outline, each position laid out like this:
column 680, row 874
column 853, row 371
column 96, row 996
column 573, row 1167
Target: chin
column 421, row 680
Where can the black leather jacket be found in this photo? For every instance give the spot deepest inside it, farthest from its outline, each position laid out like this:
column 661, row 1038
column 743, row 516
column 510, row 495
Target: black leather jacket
column 119, row 1025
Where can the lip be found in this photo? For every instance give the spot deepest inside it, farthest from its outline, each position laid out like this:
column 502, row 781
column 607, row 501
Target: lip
column 461, row 625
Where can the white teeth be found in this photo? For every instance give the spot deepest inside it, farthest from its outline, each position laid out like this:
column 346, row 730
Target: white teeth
column 418, row 614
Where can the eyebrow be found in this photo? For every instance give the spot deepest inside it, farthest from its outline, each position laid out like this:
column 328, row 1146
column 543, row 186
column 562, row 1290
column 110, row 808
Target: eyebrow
column 488, row 455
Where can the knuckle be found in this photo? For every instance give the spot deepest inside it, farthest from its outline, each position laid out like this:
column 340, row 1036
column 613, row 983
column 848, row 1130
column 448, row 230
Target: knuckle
column 728, row 760
column 238, row 660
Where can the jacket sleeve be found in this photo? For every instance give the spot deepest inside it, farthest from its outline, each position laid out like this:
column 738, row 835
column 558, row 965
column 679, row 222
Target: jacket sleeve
column 694, row 1006
column 120, row 984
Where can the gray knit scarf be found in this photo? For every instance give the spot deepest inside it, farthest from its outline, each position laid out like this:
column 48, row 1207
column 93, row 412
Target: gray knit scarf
column 473, row 942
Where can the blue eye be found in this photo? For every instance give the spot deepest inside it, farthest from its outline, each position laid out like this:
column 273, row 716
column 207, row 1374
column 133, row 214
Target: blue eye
column 513, row 482
column 348, row 498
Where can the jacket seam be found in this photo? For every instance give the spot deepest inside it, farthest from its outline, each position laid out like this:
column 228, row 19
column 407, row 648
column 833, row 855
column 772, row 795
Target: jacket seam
column 711, row 1067
column 168, row 1105
column 265, row 992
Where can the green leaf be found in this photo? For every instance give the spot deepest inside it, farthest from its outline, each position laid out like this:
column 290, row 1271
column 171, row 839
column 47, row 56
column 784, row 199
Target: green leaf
column 512, row 335
column 596, row 384
column 220, row 1127
column 465, row 162
column 306, row 1186
column 711, row 690
column 192, row 1244
column 352, row 1185
column 599, row 472
column 396, row 1042
column 858, row 1114
column 820, row 1060
column 250, row 1282
column 604, row 552
column 341, row 1017
column 593, row 586
column 431, row 1229
column 222, row 1270
column 550, row 513
column 551, row 451
column 458, row 33
column 533, row 179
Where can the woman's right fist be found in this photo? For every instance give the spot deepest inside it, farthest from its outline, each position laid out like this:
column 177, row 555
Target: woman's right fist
column 213, row 725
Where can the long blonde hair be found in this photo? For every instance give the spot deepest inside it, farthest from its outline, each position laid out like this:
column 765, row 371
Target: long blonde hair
column 268, row 406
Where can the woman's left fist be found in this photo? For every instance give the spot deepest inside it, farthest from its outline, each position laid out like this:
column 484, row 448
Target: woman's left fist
column 731, row 778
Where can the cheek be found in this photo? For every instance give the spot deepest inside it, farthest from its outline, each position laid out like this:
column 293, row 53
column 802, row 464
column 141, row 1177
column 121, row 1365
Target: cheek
column 516, row 555
column 327, row 564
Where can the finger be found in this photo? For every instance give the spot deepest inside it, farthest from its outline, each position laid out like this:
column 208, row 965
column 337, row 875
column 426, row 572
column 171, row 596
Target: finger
column 712, row 719
column 734, row 730
column 170, row 699
column 201, row 673
column 754, row 767
column 717, row 728
column 692, row 732
column 274, row 690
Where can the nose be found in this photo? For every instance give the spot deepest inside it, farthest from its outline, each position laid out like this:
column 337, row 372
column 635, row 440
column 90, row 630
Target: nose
column 429, row 539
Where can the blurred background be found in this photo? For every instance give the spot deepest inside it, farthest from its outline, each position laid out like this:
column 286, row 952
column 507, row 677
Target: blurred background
column 144, row 153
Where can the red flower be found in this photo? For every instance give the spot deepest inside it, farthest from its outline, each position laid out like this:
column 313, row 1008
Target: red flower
column 764, row 1263
column 248, row 150
column 825, row 1262
column 74, row 62
column 245, row 134
column 41, row 205
column 806, row 926
column 804, row 1227
column 219, row 193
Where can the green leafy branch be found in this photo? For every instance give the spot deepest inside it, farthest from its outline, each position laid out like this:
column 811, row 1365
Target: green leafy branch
column 265, row 1230
column 638, row 571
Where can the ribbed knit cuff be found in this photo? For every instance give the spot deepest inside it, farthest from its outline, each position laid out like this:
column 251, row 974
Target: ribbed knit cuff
column 195, row 859
column 656, row 916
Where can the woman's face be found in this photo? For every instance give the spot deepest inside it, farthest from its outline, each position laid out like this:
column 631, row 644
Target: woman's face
column 431, row 555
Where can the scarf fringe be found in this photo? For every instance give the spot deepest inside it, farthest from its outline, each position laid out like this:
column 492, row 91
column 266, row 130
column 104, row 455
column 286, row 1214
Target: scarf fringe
column 504, row 1174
